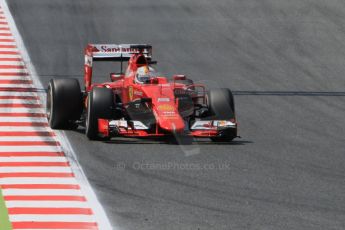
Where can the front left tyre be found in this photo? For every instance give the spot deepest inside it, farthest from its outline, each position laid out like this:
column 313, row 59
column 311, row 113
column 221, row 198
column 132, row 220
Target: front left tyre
column 64, row 102
column 221, row 106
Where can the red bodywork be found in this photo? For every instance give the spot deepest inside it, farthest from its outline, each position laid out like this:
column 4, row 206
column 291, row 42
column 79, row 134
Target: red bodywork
column 162, row 93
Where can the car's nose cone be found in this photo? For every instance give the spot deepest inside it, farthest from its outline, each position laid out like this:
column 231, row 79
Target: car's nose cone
column 172, row 125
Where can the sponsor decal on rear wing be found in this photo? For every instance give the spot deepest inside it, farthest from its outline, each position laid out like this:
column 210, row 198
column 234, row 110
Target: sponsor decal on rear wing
column 114, row 52
column 119, row 52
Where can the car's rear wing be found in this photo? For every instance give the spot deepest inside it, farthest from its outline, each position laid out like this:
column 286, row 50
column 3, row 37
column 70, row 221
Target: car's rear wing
column 113, row 52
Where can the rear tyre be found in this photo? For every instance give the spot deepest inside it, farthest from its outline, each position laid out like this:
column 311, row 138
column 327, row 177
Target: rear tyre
column 221, row 106
column 64, row 102
column 100, row 104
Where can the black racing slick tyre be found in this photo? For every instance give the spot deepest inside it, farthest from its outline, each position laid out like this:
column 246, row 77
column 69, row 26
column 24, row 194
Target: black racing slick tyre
column 221, row 106
column 100, row 104
column 64, row 102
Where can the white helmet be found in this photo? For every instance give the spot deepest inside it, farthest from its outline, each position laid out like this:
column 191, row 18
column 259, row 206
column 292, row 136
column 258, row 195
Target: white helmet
column 144, row 74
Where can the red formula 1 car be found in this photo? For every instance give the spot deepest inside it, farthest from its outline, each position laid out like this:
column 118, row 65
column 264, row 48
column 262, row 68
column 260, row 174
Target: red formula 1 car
column 139, row 102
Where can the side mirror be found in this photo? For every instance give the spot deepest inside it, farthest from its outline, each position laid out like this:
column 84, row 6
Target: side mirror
column 179, row 77
column 116, row 76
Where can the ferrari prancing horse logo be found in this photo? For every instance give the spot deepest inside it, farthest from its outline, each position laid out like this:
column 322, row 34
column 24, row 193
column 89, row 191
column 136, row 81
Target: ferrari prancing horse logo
column 130, row 92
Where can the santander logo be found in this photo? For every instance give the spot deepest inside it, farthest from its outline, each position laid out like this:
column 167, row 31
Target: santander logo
column 117, row 49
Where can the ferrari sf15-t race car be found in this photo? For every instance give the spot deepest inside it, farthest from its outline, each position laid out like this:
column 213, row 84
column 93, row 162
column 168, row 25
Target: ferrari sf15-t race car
column 139, row 102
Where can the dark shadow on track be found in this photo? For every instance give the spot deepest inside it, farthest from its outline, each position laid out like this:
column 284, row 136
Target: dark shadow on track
column 235, row 142
column 288, row 93
column 152, row 141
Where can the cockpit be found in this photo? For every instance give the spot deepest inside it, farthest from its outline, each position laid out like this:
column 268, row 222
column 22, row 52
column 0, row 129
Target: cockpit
column 145, row 74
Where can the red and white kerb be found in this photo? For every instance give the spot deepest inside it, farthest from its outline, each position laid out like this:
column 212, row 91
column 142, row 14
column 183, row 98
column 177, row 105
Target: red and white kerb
column 37, row 182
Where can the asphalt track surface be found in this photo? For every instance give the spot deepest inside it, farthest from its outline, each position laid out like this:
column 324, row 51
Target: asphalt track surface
column 285, row 60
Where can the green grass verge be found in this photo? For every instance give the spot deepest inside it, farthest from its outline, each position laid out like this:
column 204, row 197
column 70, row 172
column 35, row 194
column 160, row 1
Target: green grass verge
column 5, row 223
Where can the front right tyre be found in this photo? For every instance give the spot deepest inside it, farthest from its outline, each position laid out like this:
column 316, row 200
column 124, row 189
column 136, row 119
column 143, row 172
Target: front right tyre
column 100, row 103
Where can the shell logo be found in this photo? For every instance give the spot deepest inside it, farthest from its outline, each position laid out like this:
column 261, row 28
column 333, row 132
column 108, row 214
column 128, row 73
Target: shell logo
column 130, row 92
column 166, row 108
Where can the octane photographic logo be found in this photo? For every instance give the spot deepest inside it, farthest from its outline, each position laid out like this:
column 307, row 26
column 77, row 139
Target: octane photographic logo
column 171, row 165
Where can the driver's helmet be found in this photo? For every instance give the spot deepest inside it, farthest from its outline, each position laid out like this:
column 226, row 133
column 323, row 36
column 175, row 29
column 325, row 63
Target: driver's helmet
column 145, row 74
